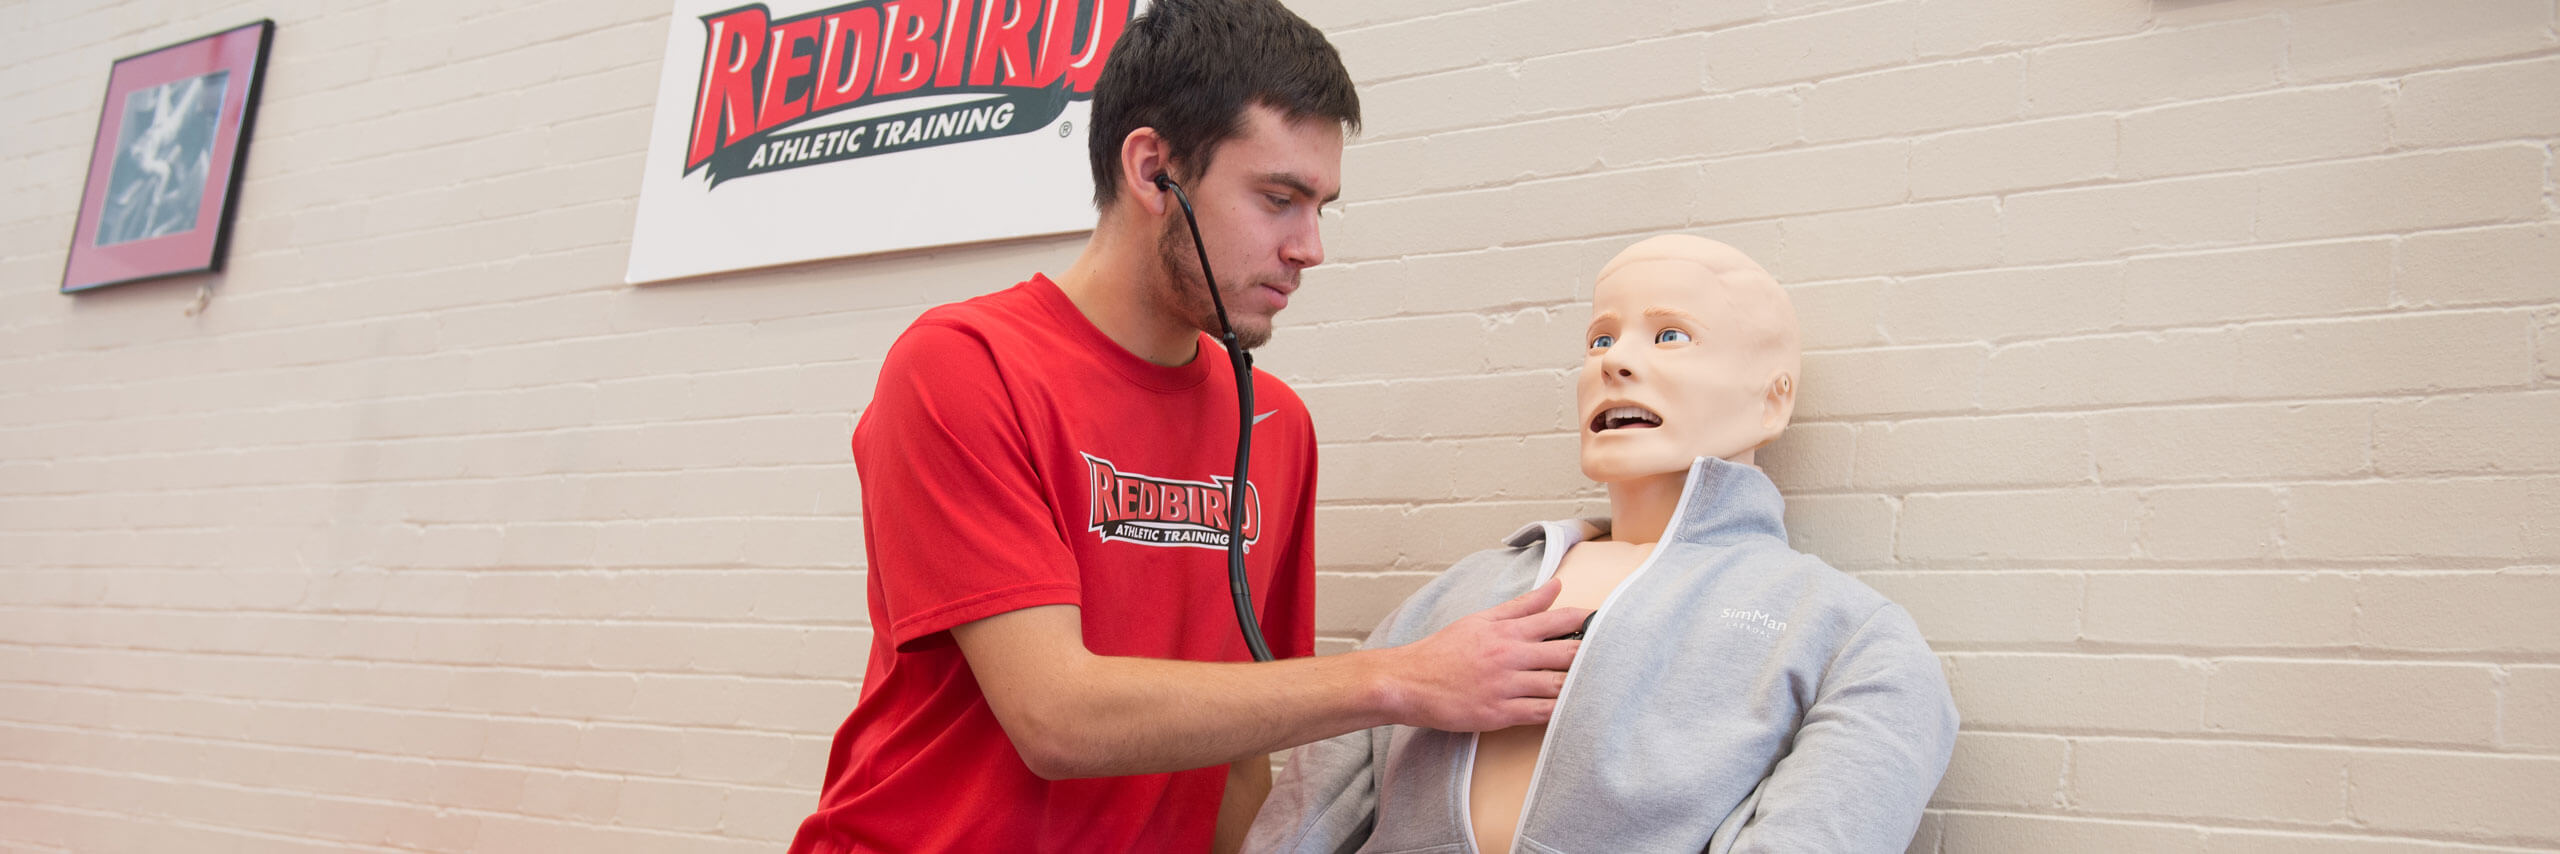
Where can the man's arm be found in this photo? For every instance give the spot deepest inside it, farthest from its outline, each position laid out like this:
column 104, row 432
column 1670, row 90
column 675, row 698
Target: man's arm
column 1248, row 782
column 1071, row 713
column 1867, row 757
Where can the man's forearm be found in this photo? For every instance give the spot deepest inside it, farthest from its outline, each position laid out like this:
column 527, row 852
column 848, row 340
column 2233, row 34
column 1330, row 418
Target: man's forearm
column 1109, row 716
column 1071, row 713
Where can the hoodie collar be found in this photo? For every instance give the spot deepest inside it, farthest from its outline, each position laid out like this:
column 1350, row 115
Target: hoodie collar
column 1721, row 501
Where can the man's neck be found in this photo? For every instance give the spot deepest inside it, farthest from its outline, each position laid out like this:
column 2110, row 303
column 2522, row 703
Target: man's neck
column 1110, row 283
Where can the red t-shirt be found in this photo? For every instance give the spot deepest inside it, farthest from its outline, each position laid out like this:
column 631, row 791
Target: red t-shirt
column 1014, row 456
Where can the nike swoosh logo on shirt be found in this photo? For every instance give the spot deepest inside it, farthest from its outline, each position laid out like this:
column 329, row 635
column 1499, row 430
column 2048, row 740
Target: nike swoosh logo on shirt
column 1258, row 418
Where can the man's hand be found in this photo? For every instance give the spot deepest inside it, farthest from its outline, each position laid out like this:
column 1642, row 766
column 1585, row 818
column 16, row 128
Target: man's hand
column 1487, row 671
column 1071, row 713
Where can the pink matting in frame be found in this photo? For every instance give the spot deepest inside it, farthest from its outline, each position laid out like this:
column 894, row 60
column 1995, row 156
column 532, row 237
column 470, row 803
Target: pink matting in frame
column 166, row 165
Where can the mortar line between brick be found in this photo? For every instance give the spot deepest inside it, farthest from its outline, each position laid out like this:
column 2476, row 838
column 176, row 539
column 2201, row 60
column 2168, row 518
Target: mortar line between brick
column 582, row 722
column 282, row 747
column 131, row 818
column 702, row 836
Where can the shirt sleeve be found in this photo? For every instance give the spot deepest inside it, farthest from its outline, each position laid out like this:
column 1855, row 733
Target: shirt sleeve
column 959, row 527
column 1866, row 759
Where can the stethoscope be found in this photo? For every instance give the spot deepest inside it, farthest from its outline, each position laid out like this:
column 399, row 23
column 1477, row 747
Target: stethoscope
column 1243, row 362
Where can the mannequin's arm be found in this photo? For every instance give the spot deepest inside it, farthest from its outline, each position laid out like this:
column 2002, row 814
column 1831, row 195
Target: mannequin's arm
column 1072, row 713
column 1326, row 801
column 1867, row 757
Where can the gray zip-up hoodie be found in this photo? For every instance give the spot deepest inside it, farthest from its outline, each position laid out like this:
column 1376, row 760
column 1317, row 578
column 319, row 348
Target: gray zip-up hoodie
column 1732, row 694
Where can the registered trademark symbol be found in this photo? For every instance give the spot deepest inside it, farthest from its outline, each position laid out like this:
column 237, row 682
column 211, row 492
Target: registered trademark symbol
column 1066, row 128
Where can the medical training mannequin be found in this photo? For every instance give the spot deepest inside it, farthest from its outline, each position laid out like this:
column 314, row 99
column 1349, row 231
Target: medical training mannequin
column 1731, row 694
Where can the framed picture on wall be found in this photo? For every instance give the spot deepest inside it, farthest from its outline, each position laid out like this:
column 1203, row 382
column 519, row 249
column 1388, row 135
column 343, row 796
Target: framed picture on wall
column 166, row 165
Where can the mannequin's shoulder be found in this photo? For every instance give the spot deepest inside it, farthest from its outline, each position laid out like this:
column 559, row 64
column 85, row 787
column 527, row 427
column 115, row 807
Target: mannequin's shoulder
column 1818, row 580
column 1473, row 583
column 1848, row 596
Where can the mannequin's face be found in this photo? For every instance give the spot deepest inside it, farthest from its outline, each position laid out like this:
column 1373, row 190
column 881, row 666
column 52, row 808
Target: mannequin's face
column 1676, row 368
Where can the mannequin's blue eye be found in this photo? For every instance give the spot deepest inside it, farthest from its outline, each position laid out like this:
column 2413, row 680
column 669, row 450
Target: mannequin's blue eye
column 1602, row 342
column 1671, row 336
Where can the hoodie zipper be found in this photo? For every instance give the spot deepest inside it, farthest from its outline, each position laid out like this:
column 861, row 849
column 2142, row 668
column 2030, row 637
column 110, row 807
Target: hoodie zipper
column 1679, row 513
column 1547, row 568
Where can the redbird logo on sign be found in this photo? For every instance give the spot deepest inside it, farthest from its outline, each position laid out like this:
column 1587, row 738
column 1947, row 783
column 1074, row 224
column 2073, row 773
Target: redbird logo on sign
column 787, row 135
column 761, row 75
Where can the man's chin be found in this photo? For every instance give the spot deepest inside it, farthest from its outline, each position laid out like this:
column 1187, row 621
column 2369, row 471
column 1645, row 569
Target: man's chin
column 1253, row 328
column 1252, row 338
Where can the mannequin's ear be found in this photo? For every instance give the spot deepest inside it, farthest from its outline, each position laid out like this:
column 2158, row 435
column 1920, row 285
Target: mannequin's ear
column 1144, row 154
column 1780, row 406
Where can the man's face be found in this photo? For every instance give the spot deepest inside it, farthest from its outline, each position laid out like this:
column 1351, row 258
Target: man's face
column 1257, row 208
column 1670, row 374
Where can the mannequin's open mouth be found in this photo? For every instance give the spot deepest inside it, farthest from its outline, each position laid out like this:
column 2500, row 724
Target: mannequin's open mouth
column 1625, row 418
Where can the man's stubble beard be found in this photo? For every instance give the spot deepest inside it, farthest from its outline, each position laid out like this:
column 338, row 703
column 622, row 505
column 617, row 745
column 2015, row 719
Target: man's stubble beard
column 1183, row 291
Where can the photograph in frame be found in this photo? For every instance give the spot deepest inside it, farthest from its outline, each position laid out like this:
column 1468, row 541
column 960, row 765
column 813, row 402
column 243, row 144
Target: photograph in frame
column 165, row 171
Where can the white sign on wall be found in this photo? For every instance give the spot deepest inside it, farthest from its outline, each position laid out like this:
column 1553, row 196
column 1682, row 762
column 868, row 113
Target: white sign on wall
column 795, row 131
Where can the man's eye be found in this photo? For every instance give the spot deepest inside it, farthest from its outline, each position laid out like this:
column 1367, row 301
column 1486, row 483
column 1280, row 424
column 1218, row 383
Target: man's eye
column 1281, row 202
column 1602, row 342
column 1671, row 336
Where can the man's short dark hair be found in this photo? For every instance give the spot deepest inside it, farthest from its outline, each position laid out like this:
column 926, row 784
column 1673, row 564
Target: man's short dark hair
column 1188, row 68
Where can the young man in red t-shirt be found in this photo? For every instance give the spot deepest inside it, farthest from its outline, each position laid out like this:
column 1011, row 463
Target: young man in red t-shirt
column 1054, row 662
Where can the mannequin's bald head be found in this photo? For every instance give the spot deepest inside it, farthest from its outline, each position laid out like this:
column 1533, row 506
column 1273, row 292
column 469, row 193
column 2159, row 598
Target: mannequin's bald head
column 1696, row 336
column 1760, row 306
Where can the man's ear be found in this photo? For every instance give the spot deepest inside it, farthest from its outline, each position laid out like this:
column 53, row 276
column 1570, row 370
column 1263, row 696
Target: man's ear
column 1779, row 407
column 1144, row 154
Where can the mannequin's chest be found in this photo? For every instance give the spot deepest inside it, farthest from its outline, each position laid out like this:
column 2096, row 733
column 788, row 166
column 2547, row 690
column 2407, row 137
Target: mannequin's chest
column 1590, row 571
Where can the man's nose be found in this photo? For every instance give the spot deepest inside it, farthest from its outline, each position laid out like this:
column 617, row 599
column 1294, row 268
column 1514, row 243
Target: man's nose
column 1305, row 246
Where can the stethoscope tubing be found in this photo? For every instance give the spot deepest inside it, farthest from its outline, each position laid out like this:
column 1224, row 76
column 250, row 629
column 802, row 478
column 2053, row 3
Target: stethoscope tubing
column 1237, row 586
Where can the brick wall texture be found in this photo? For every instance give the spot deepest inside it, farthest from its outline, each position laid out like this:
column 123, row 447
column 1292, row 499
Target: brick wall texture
column 2189, row 368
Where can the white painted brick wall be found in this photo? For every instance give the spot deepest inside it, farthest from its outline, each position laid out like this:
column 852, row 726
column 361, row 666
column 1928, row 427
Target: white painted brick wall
column 2191, row 370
